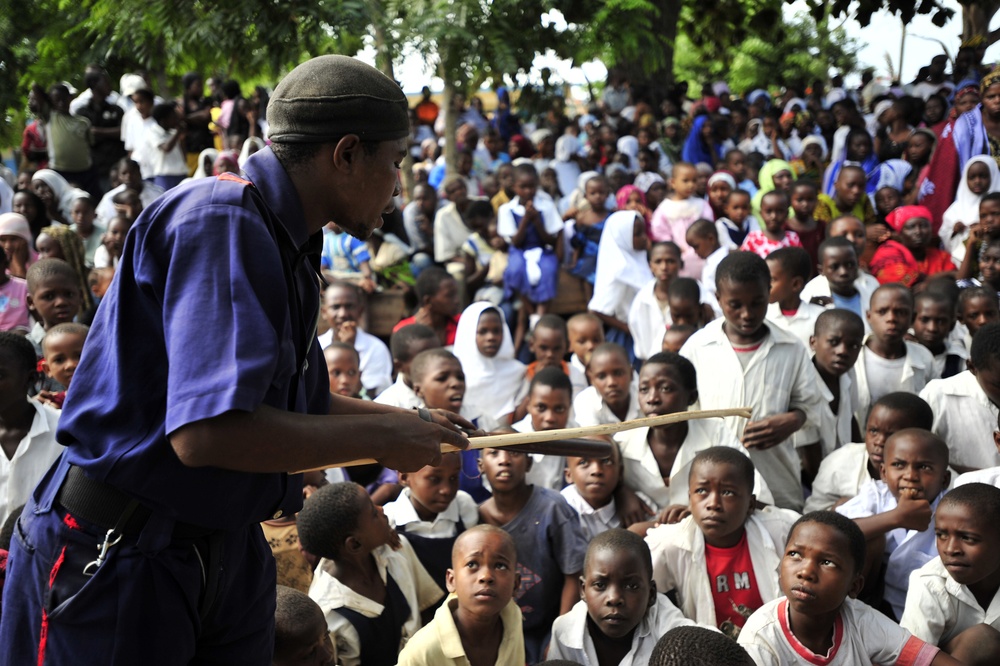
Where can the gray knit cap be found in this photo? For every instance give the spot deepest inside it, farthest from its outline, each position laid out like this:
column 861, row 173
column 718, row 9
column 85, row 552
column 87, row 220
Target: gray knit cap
column 330, row 96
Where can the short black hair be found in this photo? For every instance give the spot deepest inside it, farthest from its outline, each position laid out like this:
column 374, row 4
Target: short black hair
column 794, row 262
column 552, row 377
column 839, row 317
column 694, row 645
column 144, row 93
column 743, row 268
column 703, row 228
column 293, row 611
column 45, row 269
column 775, row 193
column 684, row 288
column 163, row 110
column 850, row 167
column 945, row 286
column 552, row 322
column 610, row 348
column 971, row 293
column 337, row 344
column 525, row 170
column 328, row 518
column 935, row 445
column 479, row 208
column 489, row 529
column 982, row 498
column 429, row 282
column 69, row 327
column 669, row 245
column 401, row 341
column 684, row 367
column 737, row 193
column 985, row 351
column 420, row 362
column 933, row 297
column 126, row 196
column 805, row 183
column 835, row 243
column 727, row 455
column 897, row 287
column 857, row 546
column 910, row 404
column 992, row 196
column 618, row 539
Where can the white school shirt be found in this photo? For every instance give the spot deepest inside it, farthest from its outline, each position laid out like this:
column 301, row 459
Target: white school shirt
column 712, row 262
column 964, row 418
column 938, row 607
column 592, row 521
column 835, row 429
column 802, row 324
column 106, row 209
column 777, row 379
column 163, row 162
column 571, row 636
column 990, row 476
column 577, row 375
column 865, row 283
column 590, row 409
column 841, row 474
column 679, row 564
column 546, row 471
column 907, row 550
column 399, row 395
column 648, row 321
column 401, row 513
column 642, row 473
column 918, row 366
column 861, row 635
column 414, row 582
column 34, row 455
column 376, row 361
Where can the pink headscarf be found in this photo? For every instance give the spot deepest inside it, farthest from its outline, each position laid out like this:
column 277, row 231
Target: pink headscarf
column 623, row 195
column 900, row 216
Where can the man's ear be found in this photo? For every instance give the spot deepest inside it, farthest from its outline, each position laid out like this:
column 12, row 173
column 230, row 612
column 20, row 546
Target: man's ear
column 347, row 152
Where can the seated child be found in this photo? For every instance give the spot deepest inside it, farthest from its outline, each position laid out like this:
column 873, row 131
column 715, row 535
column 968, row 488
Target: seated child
column 585, row 332
column 620, row 617
column 703, row 237
column 342, row 363
column 896, row 513
column 300, row 634
column 819, row 620
column 775, row 234
column 648, row 311
column 13, row 300
column 906, row 257
column 811, row 232
column 485, row 256
column 550, row 544
column 933, row 322
column 438, row 304
column 790, row 270
column 951, row 600
column 679, row 211
column 622, row 273
column 736, row 356
column 591, row 491
column 342, row 311
column 979, row 177
column 844, row 471
column 431, row 511
column 549, row 401
column 548, row 343
column 53, row 297
column 372, row 595
column 405, row 344
column 964, row 412
column 721, row 560
column 888, row 362
column 835, row 346
column 494, row 378
column 479, row 623
column 61, row 349
column 840, row 284
column 656, row 461
column 698, row 646
column 738, row 222
column 346, row 257
column 675, row 337
column 587, row 229
column 977, row 306
column 27, row 427
column 610, row 397
column 110, row 252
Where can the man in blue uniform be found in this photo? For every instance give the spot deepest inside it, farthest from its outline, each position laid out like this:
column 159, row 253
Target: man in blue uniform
column 201, row 388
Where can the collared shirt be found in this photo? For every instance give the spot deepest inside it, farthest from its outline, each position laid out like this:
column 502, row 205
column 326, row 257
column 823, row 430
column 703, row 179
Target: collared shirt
column 866, row 285
column 201, row 259
column 571, row 637
column 376, row 361
column 917, row 369
column 841, row 474
column 938, row 607
column 778, row 378
column 835, row 429
column 399, row 395
column 34, row 455
column 990, row 476
column 106, row 209
column 414, row 582
column 801, row 324
column 400, row 512
column 439, row 643
column 592, row 521
column 648, row 320
column 590, row 409
column 546, row 471
column 965, row 418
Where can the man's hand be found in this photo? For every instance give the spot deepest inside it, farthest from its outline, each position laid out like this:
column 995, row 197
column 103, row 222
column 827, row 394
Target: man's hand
column 417, row 443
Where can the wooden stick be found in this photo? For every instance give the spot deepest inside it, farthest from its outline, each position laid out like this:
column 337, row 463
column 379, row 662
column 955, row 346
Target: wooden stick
column 589, row 448
column 515, row 438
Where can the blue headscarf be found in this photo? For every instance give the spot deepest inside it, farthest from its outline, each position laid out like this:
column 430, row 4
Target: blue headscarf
column 695, row 150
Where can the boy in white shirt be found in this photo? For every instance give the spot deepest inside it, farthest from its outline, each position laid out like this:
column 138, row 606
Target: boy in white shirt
column 549, row 408
column 342, row 310
column 836, row 344
column 790, row 270
column 703, row 237
column 404, row 345
column 164, row 141
column 840, row 284
column 611, row 398
column 586, row 331
column 953, row 600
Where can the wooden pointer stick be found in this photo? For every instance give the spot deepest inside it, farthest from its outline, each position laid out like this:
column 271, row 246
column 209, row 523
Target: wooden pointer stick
column 515, row 438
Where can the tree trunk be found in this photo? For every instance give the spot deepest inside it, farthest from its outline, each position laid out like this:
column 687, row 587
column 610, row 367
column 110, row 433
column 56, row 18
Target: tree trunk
column 656, row 85
column 450, row 145
column 976, row 16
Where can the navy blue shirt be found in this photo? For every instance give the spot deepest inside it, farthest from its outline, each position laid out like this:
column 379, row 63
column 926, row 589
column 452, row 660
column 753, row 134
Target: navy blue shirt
column 201, row 320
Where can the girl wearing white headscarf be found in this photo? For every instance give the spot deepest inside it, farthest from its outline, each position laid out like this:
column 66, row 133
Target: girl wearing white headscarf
column 628, row 146
column 57, row 194
column 964, row 212
column 250, row 146
column 492, row 383
column 565, row 166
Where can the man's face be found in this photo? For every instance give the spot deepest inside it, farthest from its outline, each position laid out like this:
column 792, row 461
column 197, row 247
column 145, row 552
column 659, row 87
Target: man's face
column 373, row 182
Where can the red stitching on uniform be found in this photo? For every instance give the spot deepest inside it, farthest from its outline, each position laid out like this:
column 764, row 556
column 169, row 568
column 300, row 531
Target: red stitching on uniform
column 70, row 522
column 234, row 178
column 44, row 634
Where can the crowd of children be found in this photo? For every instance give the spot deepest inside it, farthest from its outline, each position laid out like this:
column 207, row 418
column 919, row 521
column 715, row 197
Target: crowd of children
column 772, row 260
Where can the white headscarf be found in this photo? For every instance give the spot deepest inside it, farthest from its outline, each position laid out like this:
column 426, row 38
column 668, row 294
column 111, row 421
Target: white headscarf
column 965, row 209
column 491, row 384
column 628, row 145
column 618, row 261
column 61, row 189
column 211, row 154
column 567, row 170
column 817, row 140
column 245, row 152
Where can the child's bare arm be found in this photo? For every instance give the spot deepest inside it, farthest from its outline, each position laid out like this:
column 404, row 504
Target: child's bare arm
column 611, row 321
column 631, row 509
column 811, row 456
column 911, row 513
column 945, row 659
column 570, row 593
column 773, row 430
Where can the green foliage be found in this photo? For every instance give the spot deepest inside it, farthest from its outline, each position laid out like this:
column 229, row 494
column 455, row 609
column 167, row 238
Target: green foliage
column 862, row 10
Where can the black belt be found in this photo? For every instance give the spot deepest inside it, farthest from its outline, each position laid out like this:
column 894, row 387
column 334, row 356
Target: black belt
column 103, row 505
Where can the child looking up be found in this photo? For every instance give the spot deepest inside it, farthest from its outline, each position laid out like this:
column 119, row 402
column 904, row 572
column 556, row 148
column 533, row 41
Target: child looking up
column 300, row 634
column 679, row 211
column 479, row 623
column 610, row 398
column 774, row 215
column 404, row 345
column 585, row 333
column 494, row 378
column 703, row 237
column 621, row 272
column 979, row 177
column 950, row 599
column 896, row 512
column 27, row 427
column 738, row 221
column 906, row 257
column 342, row 311
column 61, row 349
column 372, row 595
column 846, row 470
column 53, row 297
column 888, row 362
column 819, row 620
column 720, row 560
column 790, row 270
column 431, row 511
column 438, row 304
column 549, row 402
column 810, row 232
column 620, row 617
column 933, row 322
column 550, row 545
column 735, row 356
column 591, row 491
